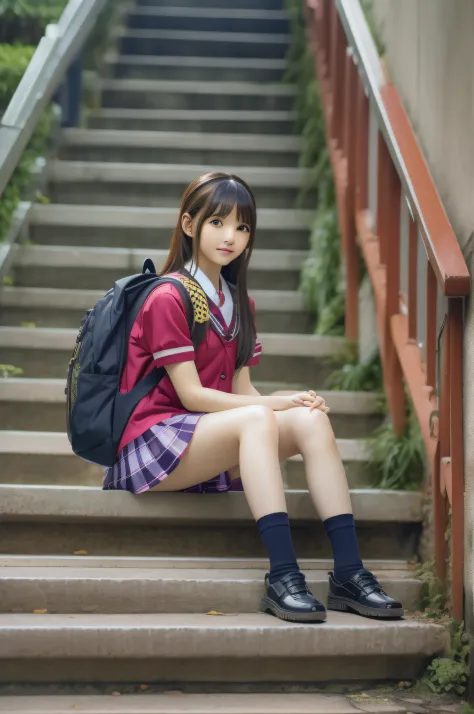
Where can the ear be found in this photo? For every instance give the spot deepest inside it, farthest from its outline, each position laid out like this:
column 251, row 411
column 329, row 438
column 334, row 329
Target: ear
column 187, row 224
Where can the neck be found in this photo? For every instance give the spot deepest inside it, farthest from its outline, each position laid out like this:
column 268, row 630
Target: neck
column 211, row 270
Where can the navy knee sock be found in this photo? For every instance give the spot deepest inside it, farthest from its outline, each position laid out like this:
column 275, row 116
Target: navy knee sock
column 342, row 534
column 276, row 535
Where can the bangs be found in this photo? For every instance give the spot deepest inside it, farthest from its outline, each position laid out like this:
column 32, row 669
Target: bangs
column 225, row 196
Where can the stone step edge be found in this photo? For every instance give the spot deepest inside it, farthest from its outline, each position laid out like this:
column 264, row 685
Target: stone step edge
column 139, row 173
column 249, row 635
column 197, row 115
column 198, row 704
column 187, row 575
column 183, row 86
column 243, row 38
column 113, row 57
column 172, row 563
column 61, row 299
column 274, row 344
column 53, row 443
column 63, row 214
column 206, row 13
column 23, row 389
column 107, row 138
column 148, row 217
column 92, row 504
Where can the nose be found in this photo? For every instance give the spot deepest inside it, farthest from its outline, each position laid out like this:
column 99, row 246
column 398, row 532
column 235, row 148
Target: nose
column 229, row 238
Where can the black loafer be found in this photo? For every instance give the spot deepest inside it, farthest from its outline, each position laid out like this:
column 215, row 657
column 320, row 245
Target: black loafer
column 290, row 599
column 363, row 595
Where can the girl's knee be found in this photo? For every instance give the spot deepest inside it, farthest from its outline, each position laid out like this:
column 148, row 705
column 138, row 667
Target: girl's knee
column 312, row 423
column 260, row 417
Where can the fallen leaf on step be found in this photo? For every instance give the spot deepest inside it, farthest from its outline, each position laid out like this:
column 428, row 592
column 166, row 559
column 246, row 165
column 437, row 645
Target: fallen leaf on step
column 76, row 706
column 40, row 612
column 116, row 694
column 143, row 687
column 81, row 552
column 214, row 612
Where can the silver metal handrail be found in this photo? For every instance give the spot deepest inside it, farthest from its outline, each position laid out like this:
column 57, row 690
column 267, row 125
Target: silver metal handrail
column 56, row 50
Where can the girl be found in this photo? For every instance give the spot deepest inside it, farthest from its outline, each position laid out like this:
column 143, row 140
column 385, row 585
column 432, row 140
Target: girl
column 206, row 418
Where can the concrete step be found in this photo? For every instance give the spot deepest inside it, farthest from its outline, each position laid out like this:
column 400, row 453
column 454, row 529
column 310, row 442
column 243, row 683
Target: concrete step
column 98, row 268
column 131, row 184
column 353, row 414
column 208, row 19
column 195, row 69
column 45, row 352
column 192, row 96
column 122, row 590
column 218, row 4
column 60, row 307
column 237, row 122
column 196, row 647
column 45, row 457
column 278, row 703
column 120, row 227
column 179, row 147
column 201, row 43
column 203, row 704
column 63, row 520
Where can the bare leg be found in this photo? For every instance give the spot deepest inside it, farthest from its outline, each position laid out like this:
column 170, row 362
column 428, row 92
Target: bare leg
column 310, row 434
column 247, row 436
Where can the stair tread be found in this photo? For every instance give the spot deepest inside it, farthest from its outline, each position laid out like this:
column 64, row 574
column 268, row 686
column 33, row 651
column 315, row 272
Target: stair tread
column 212, row 62
column 55, row 443
column 167, row 86
column 63, row 338
column 131, row 172
column 210, row 13
column 197, row 704
column 259, row 115
column 179, row 140
column 76, row 299
column 89, row 503
column 150, row 217
column 162, row 563
column 243, row 38
column 23, row 389
column 200, row 635
column 189, row 575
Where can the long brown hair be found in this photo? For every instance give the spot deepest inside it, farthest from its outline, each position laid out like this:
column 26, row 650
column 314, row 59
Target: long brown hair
column 216, row 194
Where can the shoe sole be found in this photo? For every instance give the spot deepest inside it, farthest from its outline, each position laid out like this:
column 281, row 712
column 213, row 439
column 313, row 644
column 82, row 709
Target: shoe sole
column 268, row 606
column 345, row 605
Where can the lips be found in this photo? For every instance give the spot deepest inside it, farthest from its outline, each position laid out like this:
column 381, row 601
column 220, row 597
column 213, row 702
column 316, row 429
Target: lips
column 225, row 250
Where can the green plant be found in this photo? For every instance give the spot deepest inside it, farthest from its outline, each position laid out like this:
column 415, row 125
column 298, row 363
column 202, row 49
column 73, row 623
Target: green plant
column 355, row 376
column 21, row 177
column 25, row 20
column 432, row 599
column 8, row 370
column 14, row 60
column 398, row 461
column 450, row 674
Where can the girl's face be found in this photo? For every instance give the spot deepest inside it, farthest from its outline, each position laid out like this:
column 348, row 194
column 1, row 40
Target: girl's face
column 222, row 239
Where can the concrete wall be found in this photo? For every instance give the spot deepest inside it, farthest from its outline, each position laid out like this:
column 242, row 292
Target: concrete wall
column 430, row 58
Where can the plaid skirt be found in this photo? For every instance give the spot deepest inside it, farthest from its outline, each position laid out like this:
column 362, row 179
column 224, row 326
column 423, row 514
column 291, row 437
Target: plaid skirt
column 154, row 455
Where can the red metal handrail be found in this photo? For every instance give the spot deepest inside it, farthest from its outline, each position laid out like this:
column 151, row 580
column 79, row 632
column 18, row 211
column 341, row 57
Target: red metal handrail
column 381, row 201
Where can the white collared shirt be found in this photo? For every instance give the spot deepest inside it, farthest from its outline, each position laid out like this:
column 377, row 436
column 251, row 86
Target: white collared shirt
column 227, row 309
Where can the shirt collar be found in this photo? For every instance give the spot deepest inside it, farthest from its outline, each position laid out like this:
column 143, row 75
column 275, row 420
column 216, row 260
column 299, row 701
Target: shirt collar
column 206, row 284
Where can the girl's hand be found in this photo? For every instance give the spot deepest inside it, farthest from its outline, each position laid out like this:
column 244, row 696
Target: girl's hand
column 306, row 399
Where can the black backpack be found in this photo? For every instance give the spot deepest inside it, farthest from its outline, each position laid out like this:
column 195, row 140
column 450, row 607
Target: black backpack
column 96, row 412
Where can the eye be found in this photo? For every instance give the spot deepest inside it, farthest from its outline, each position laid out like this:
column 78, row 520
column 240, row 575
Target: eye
column 244, row 228
column 216, row 222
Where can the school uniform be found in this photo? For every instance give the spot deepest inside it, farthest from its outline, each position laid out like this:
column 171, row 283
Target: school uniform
column 160, row 428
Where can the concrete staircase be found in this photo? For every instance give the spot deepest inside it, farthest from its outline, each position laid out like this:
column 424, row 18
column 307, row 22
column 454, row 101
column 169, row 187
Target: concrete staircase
column 126, row 581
